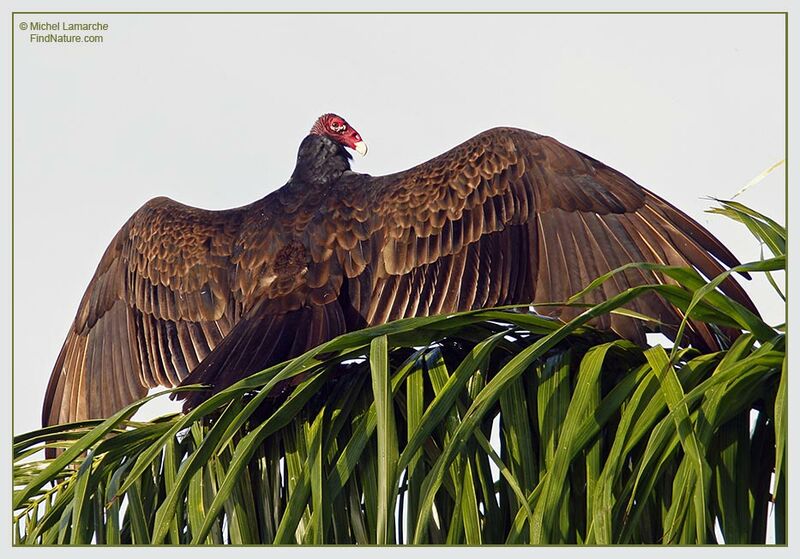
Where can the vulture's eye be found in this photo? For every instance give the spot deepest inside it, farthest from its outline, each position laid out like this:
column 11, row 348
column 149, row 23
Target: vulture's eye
column 338, row 126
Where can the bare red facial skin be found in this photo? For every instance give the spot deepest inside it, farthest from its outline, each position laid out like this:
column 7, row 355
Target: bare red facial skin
column 336, row 128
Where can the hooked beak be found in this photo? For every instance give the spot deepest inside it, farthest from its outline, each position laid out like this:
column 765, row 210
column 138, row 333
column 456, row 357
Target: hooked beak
column 360, row 147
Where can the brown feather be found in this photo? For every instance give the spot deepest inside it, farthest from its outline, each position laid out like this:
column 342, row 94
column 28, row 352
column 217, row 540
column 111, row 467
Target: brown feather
column 185, row 295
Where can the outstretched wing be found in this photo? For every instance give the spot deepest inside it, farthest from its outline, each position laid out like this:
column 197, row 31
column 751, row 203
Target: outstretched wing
column 511, row 217
column 160, row 301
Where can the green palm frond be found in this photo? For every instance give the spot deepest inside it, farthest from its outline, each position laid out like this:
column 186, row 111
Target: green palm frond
column 484, row 427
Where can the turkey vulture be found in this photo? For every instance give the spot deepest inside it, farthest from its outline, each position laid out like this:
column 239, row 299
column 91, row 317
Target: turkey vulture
column 189, row 295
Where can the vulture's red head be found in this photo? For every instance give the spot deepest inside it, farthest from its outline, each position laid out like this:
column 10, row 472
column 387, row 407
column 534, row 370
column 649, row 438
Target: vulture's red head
column 336, row 128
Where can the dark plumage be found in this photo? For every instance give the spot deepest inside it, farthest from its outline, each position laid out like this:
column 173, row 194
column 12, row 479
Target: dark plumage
column 507, row 217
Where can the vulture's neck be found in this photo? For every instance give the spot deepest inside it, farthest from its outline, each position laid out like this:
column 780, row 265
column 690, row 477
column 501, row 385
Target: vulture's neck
column 320, row 161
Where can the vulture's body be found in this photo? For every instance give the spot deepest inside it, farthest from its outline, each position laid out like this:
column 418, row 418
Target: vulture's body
column 189, row 295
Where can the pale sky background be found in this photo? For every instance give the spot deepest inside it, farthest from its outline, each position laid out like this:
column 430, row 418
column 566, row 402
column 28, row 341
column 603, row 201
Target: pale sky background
column 209, row 110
